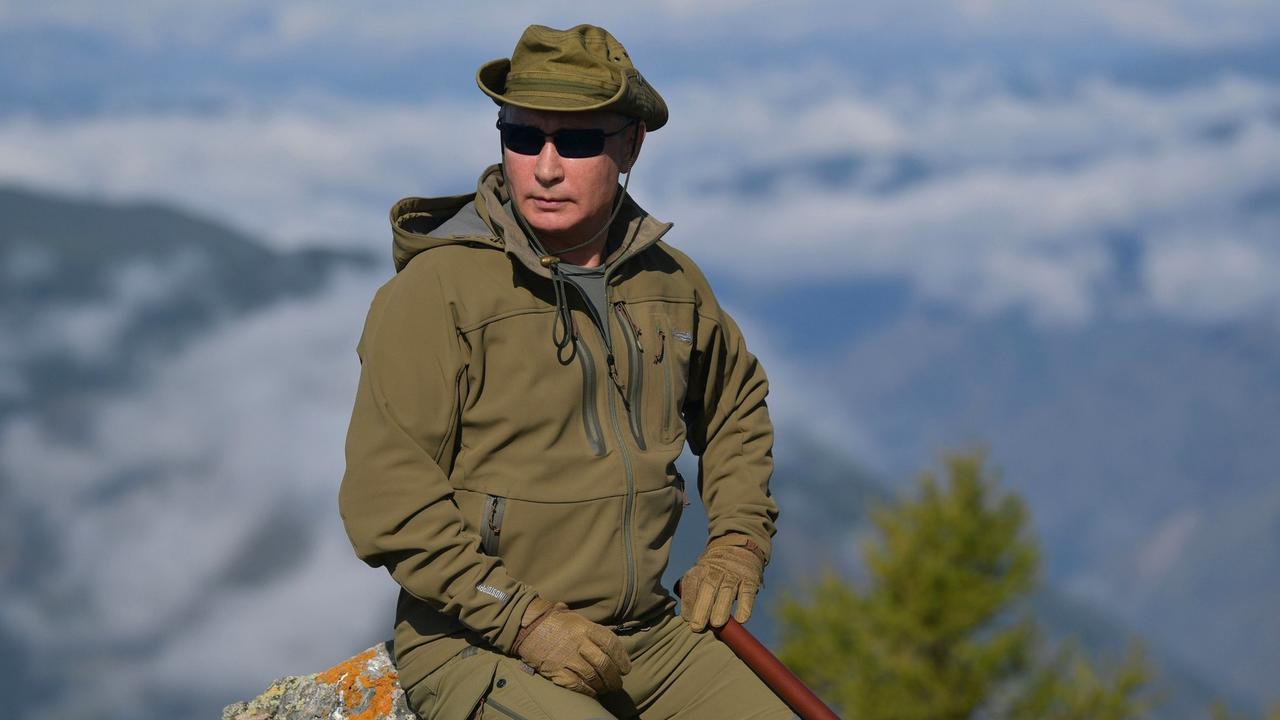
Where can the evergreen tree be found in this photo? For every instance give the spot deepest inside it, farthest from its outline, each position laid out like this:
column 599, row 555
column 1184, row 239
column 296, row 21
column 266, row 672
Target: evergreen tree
column 939, row 631
column 1069, row 688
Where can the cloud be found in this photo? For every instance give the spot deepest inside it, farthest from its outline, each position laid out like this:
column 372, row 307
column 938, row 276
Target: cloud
column 1016, row 202
column 241, row 25
column 194, row 518
column 1213, row 281
column 1010, row 201
column 295, row 175
column 1194, row 25
column 87, row 331
column 237, row 439
column 799, row 408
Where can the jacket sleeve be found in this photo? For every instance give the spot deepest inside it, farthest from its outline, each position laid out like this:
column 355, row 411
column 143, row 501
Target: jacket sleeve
column 729, row 428
column 395, row 500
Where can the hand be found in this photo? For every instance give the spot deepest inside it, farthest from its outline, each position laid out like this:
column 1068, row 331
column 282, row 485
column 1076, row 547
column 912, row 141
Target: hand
column 732, row 567
column 570, row 650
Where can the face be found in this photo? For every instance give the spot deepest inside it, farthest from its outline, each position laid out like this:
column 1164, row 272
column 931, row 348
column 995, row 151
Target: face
column 567, row 200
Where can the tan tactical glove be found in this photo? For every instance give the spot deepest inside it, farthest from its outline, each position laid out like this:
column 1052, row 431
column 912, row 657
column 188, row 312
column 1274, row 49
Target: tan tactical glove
column 732, row 567
column 570, row 650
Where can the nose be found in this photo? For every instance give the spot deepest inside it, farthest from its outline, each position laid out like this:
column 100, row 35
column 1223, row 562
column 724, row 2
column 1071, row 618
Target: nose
column 548, row 170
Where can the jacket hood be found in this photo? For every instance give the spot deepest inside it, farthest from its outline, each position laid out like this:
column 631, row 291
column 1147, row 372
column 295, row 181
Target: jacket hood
column 419, row 224
column 481, row 219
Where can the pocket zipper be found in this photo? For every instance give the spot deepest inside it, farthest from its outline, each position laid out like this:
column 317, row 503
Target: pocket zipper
column 491, row 524
column 666, row 384
column 590, row 416
column 635, row 353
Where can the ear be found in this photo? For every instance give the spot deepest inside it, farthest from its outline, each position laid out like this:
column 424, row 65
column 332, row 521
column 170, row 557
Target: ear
column 633, row 152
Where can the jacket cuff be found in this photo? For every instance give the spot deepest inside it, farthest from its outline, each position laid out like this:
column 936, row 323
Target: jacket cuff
column 741, row 531
column 742, row 541
column 494, row 609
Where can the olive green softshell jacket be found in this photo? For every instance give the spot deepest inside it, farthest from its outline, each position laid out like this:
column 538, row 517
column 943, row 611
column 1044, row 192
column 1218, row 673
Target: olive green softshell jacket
column 485, row 467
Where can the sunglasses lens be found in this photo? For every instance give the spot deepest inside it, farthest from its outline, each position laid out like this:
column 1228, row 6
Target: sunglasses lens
column 580, row 143
column 522, row 139
column 570, row 143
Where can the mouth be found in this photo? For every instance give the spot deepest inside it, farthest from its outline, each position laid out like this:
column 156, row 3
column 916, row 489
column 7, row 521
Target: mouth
column 548, row 203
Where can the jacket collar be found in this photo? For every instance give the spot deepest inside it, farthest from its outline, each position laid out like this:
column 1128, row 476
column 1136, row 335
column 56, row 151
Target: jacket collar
column 631, row 233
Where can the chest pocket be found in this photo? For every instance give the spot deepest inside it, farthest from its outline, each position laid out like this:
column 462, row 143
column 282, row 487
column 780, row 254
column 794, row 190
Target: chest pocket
column 668, row 371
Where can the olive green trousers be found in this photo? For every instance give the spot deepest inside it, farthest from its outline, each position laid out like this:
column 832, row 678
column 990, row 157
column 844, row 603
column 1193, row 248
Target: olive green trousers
column 675, row 673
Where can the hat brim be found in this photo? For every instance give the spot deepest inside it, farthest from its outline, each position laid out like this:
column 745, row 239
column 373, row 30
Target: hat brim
column 492, row 79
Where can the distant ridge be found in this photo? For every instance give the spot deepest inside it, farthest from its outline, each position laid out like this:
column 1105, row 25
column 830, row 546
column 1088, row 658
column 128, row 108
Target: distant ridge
column 144, row 276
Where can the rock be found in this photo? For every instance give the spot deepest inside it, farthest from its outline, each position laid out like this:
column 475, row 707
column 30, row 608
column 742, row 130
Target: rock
column 365, row 687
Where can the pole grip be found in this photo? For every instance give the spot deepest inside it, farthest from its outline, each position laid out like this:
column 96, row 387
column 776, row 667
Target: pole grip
column 769, row 668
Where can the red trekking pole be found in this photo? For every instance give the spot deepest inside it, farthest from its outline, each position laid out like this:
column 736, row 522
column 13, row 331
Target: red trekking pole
column 769, row 668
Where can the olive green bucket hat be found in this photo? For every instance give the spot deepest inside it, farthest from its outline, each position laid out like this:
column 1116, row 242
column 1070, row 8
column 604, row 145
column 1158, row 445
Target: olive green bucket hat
column 579, row 69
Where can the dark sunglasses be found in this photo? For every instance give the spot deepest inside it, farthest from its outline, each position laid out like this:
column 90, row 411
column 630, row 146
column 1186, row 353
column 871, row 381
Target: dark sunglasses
column 569, row 142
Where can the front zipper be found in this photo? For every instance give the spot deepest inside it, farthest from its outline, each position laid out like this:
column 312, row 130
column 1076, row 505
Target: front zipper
column 628, row 501
column 588, row 393
column 491, row 524
column 635, row 367
column 627, row 505
column 590, row 415
column 588, row 401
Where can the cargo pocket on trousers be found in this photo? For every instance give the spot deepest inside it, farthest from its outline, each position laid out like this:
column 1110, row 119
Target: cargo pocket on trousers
column 518, row 693
column 457, row 689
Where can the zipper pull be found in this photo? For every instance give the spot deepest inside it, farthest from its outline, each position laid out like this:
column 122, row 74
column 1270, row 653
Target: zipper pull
column 492, row 520
column 662, row 347
column 621, row 307
column 613, row 375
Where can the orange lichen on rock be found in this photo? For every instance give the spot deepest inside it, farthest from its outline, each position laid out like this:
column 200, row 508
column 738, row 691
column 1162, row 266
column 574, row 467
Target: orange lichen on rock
column 366, row 687
column 363, row 683
column 348, row 668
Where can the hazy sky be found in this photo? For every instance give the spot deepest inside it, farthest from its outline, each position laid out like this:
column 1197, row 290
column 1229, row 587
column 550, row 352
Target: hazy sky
column 990, row 155
column 991, row 152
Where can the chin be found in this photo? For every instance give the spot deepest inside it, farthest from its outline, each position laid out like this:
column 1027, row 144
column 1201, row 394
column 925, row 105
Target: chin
column 548, row 222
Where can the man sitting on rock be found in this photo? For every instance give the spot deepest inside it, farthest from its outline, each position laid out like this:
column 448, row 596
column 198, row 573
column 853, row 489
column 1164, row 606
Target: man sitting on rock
column 529, row 377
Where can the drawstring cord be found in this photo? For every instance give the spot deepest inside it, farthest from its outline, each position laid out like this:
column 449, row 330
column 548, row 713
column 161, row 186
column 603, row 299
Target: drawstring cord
column 564, row 330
